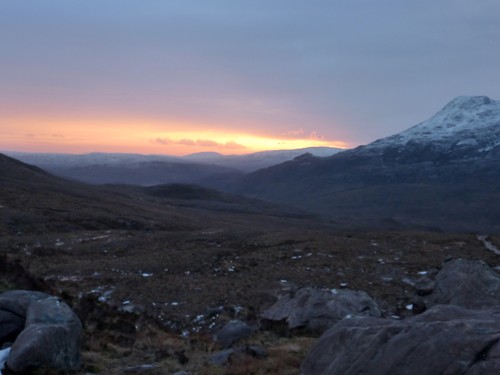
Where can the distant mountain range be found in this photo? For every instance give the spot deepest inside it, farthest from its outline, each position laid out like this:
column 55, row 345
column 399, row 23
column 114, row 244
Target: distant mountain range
column 258, row 160
column 148, row 170
column 443, row 173
column 33, row 201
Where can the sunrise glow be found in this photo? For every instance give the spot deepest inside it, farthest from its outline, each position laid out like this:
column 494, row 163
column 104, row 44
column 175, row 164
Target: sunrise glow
column 146, row 137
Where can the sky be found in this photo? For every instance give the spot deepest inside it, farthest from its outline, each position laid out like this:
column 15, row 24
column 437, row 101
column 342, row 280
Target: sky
column 235, row 76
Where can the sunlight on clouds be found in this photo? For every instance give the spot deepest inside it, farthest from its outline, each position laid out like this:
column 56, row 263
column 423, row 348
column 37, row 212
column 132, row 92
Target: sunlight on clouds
column 175, row 138
column 237, row 143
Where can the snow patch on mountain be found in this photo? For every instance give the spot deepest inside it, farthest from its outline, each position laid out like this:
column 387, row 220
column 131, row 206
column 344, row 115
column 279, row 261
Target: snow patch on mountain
column 466, row 121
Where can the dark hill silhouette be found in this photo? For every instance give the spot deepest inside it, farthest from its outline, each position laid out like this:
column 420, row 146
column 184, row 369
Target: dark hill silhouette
column 15, row 170
column 34, row 201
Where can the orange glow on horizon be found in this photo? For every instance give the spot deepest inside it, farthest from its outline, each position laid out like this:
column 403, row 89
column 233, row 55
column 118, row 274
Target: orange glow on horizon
column 144, row 137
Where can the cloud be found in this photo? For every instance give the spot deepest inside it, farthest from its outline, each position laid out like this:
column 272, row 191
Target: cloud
column 43, row 136
column 234, row 146
column 301, row 134
column 199, row 143
column 185, row 142
column 295, row 133
column 207, row 143
column 163, row 141
column 315, row 135
column 261, row 65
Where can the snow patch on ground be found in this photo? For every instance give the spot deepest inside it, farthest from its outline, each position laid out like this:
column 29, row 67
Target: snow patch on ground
column 4, row 355
column 487, row 244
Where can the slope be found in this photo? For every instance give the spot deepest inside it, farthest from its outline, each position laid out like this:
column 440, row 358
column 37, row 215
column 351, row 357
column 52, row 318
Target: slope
column 443, row 173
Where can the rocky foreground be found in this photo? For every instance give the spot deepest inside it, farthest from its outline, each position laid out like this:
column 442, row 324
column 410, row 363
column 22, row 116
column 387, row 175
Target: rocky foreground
column 209, row 285
column 458, row 334
column 452, row 327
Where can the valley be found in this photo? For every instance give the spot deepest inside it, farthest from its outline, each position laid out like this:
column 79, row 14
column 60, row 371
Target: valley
column 153, row 274
column 249, row 188
column 156, row 273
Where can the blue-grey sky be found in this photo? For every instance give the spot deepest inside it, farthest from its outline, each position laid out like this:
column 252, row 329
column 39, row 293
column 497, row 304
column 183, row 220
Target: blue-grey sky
column 186, row 72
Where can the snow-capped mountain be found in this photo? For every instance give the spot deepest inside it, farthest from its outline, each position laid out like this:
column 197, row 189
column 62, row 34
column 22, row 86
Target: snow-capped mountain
column 442, row 173
column 467, row 127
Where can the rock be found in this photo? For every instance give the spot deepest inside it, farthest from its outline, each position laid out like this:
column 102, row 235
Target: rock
column 234, row 355
column 468, row 283
column 17, row 301
column 256, row 351
column 424, row 286
column 51, row 311
column 443, row 340
column 10, row 326
column 46, row 346
column 418, row 307
column 232, row 332
column 319, row 309
column 221, row 357
column 139, row 369
column 13, row 307
column 51, row 337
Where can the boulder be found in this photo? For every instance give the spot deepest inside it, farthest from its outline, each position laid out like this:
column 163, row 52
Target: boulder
column 51, row 339
column 139, row 369
column 10, row 326
column 318, row 309
column 18, row 301
column 44, row 330
column 256, row 351
column 424, row 286
column 232, row 332
column 442, row 340
column 221, row 357
column 224, row 357
column 468, row 283
column 13, row 307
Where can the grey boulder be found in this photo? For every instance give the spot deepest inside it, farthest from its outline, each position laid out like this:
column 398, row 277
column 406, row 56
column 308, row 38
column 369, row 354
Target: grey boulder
column 468, row 283
column 13, row 307
column 18, row 301
column 10, row 326
column 232, row 332
column 52, row 332
column 318, row 309
column 443, row 340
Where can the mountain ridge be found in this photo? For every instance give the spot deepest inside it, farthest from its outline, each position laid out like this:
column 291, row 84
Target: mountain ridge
column 439, row 183
column 148, row 170
column 468, row 126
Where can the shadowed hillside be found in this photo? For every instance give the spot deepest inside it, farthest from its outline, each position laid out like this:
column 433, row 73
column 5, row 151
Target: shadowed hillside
column 443, row 174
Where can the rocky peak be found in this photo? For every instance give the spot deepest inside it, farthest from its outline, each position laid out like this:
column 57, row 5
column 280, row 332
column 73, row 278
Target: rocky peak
column 465, row 102
column 467, row 127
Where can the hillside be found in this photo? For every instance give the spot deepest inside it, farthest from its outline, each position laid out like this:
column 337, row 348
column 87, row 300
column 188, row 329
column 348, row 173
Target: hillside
column 33, row 200
column 258, row 160
column 442, row 174
column 155, row 272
